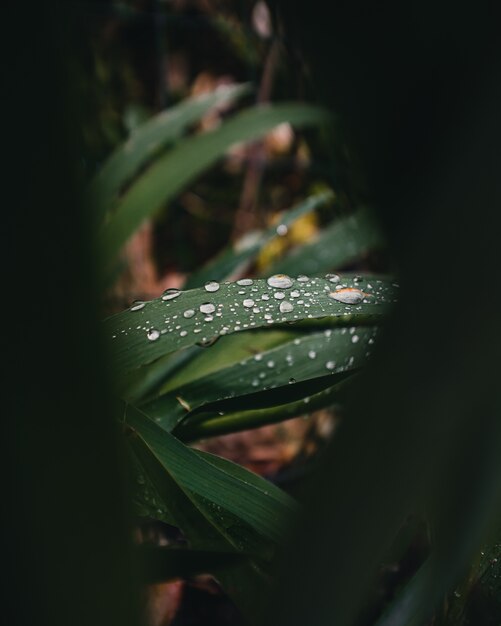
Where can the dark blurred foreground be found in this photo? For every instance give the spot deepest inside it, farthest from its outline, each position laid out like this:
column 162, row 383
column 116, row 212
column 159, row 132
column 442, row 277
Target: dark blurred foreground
column 421, row 102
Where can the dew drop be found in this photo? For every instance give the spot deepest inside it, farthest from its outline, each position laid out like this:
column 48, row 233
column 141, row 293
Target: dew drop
column 281, row 281
column 183, row 333
column 265, row 296
column 270, row 364
column 170, row 294
column 188, row 313
column 207, row 343
column 137, row 305
column 207, row 308
column 333, row 278
column 211, row 286
column 248, row 303
column 153, row 334
column 349, row 295
column 312, row 354
column 279, row 295
column 245, row 282
column 282, row 230
column 295, row 294
column 355, row 339
column 302, row 278
column 330, row 365
column 258, row 357
column 286, row 307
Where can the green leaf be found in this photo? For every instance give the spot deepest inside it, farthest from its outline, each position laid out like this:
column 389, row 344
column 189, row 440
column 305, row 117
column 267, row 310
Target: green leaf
column 218, row 505
column 143, row 335
column 232, row 422
column 169, row 174
column 146, row 141
column 345, row 240
column 235, row 258
column 287, row 373
column 174, row 370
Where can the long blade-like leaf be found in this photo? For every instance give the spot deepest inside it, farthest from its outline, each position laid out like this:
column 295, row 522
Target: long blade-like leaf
column 145, row 333
column 278, row 376
column 146, row 141
column 234, row 258
column 163, row 180
column 345, row 240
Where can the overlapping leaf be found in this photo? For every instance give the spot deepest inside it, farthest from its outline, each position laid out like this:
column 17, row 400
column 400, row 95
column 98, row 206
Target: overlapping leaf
column 218, row 505
column 293, row 370
column 344, row 241
column 144, row 333
column 146, row 141
column 171, row 172
column 236, row 258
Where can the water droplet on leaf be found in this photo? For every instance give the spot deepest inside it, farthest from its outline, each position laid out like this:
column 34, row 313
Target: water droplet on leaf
column 137, row 305
column 170, row 294
column 281, row 281
column 207, row 308
column 286, row 307
column 153, row 334
column 211, row 286
column 348, row 295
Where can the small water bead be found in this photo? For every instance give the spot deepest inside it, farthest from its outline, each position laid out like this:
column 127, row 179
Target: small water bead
column 256, row 310
column 189, row 313
column 183, row 333
column 153, row 334
column 355, row 339
column 258, row 357
column 330, row 365
column 295, row 294
column 245, row 282
column 279, row 295
column 208, row 318
column 349, row 295
column 248, row 303
column 286, row 307
column 333, row 278
column 207, row 308
column 312, row 354
column 270, row 364
column 137, row 305
column 281, row 281
column 170, row 294
column 292, row 381
column 282, row 230
column 302, row 279
column 211, row 286
column 265, row 296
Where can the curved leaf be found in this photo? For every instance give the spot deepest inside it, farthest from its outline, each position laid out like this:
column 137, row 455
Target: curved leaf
column 168, row 175
column 141, row 335
column 234, row 258
column 346, row 240
column 290, row 372
column 145, row 142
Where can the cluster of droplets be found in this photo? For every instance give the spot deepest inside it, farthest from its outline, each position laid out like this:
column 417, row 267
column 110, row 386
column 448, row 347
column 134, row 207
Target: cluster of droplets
column 330, row 351
column 283, row 299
